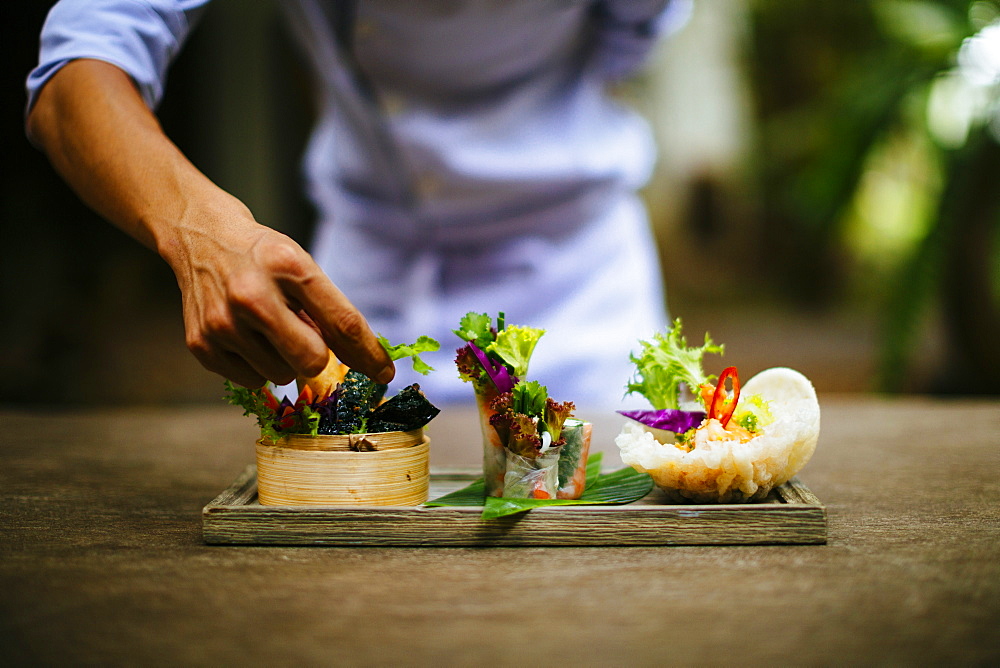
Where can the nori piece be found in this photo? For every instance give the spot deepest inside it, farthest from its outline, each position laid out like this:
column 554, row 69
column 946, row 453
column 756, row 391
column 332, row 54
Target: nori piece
column 356, row 408
column 406, row 411
column 361, row 391
column 360, row 394
column 328, row 420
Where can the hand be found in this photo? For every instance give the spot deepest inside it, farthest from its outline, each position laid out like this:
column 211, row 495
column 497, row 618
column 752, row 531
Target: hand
column 257, row 307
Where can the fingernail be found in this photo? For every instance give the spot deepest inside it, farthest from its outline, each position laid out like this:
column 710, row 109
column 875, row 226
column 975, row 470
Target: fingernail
column 386, row 375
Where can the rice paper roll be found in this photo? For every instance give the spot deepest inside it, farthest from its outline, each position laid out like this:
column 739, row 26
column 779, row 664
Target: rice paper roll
column 494, row 452
column 573, row 459
column 532, row 477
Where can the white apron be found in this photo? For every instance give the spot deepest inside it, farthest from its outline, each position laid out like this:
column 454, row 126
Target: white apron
column 466, row 158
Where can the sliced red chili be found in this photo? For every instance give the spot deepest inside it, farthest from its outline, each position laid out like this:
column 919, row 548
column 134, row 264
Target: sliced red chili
column 720, row 409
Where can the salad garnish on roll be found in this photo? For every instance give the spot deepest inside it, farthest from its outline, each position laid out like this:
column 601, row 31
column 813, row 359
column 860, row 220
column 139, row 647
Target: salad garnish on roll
column 529, row 424
column 531, row 447
column 494, row 357
column 707, row 438
column 492, row 360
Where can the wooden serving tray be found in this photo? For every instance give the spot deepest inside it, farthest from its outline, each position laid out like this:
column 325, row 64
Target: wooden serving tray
column 790, row 515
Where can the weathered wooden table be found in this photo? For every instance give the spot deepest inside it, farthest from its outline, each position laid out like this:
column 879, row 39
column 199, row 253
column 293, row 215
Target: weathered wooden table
column 102, row 559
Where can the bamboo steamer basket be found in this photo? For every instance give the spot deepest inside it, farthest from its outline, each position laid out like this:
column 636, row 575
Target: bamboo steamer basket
column 388, row 469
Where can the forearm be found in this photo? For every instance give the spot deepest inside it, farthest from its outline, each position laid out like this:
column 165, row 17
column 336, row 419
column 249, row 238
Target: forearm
column 256, row 306
column 104, row 141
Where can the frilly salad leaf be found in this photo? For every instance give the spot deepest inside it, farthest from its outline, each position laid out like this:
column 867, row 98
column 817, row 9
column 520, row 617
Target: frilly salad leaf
column 670, row 419
column 666, row 362
column 476, row 328
column 502, row 352
column 515, row 344
column 623, row 486
column 518, row 433
column 260, row 403
column 525, row 415
column 470, row 369
column 555, row 417
column 423, row 344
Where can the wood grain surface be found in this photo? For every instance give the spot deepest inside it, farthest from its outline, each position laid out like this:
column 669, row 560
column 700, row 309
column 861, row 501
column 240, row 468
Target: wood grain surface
column 103, row 562
column 790, row 516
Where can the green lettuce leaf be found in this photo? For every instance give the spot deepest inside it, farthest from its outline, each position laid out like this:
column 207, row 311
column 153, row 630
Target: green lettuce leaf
column 514, row 345
column 666, row 362
column 258, row 402
column 622, row 486
column 424, row 344
column 528, row 398
column 477, row 328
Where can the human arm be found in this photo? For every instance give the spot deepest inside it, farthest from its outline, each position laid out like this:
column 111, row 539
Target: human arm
column 256, row 306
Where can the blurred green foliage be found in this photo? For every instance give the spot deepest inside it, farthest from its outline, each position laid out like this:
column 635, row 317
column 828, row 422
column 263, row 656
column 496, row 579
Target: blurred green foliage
column 879, row 166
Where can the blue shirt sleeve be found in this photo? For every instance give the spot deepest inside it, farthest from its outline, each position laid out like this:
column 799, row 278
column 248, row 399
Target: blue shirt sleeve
column 140, row 36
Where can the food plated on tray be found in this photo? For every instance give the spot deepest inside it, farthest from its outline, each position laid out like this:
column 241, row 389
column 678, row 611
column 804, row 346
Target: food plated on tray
column 705, row 438
column 533, row 447
column 341, row 401
column 535, row 451
column 705, row 443
column 342, row 442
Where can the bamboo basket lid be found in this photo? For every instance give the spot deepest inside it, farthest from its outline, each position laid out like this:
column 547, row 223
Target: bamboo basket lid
column 293, row 476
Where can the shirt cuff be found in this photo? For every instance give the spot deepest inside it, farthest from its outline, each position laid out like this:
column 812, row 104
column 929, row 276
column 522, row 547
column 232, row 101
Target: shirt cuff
column 141, row 38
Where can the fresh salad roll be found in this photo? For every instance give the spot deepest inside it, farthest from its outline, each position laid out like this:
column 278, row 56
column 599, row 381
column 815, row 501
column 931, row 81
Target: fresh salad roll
column 527, row 453
column 494, row 453
column 529, row 424
column 493, row 360
column 706, row 439
column 573, row 458
column 531, row 477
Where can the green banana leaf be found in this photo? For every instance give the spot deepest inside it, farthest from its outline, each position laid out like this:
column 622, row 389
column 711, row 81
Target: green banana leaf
column 622, row 486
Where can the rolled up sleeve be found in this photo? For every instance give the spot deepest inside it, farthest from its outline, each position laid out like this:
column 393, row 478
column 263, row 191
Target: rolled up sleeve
column 141, row 37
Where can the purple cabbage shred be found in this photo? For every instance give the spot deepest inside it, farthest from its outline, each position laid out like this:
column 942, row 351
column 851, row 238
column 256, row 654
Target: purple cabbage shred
column 495, row 370
column 674, row 420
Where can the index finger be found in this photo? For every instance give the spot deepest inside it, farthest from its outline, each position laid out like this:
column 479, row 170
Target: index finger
column 342, row 327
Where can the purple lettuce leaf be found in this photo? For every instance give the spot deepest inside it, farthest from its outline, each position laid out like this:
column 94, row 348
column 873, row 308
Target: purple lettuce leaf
column 671, row 419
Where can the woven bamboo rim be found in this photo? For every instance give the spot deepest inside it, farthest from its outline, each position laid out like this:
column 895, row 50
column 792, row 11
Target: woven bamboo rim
column 397, row 476
column 350, row 442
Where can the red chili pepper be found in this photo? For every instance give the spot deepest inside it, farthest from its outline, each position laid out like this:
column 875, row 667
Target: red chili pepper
column 719, row 409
